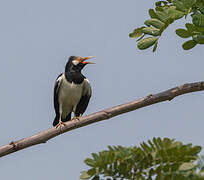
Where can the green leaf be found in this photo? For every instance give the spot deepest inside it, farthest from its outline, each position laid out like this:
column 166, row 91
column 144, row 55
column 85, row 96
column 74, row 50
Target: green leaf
column 200, row 41
column 84, row 175
column 177, row 144
column 150, row 142
column 195, row 150
column 146, row 42
column 152, row 14
column 155, row 143
column 200, row 4
column 159, row 3
column 151, row 31
column 154, row 22
column 91, row 171
column 145, row 147
column 189, row 45
column 184, row 5
column 110, row 148
column 174, row 14
column 162, row 16
column 183, row 33
column 89, row 162
column 190, row 27
column 198, row 19
column 188, row 3
column 136, row 33
column 160, row 142
column 179, row 5
column 186, row 166
column 95, row 156
column 167, row 142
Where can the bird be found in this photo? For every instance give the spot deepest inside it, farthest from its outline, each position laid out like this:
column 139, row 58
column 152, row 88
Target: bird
column 72, row 91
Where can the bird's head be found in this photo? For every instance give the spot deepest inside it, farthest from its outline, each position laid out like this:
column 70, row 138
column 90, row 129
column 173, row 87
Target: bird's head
column 78, row 63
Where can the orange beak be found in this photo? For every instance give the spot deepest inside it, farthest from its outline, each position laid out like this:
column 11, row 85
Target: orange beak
column 83, row 60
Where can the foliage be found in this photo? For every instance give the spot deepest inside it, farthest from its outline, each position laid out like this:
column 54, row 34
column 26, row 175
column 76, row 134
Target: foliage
column 160, row 159
column 164, row 14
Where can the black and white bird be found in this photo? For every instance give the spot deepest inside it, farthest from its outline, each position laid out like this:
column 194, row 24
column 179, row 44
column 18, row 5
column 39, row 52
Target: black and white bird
column 72, row 91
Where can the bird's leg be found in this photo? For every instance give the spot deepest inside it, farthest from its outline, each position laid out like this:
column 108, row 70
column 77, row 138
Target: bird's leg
column 76, row 117
column 60, row 124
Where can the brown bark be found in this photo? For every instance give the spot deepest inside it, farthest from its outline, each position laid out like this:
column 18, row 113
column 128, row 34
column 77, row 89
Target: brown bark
column 44, row 136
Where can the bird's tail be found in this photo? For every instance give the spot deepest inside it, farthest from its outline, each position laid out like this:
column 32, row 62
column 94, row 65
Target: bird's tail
column 56, row 121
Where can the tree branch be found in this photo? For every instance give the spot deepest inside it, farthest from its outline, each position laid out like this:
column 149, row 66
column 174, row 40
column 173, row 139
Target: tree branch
column 44, row 136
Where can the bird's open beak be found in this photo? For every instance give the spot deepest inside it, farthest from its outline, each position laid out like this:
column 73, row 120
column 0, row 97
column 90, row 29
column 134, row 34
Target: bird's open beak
column 83, row 60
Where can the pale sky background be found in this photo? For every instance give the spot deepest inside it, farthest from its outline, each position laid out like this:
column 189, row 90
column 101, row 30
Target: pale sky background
column 36, row 39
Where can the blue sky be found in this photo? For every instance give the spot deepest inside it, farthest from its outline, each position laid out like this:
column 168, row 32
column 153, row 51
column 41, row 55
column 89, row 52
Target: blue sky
column 36, row 39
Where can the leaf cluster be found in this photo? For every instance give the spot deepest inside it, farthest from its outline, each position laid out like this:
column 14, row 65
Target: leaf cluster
column 159, row 159
column 164, row 14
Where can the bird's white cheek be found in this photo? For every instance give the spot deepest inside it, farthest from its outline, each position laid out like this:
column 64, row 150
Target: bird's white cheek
column 75, row 62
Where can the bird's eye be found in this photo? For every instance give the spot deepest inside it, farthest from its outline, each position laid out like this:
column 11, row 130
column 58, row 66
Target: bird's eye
column 75, row 62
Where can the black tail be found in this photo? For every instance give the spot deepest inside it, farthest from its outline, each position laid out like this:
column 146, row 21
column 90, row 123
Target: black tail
column 56, row 121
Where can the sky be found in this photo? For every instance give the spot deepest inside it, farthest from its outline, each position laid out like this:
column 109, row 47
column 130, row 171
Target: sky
column 36, row 39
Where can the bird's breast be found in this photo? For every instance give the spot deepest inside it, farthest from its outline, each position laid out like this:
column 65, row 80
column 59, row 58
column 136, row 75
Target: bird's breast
column 69, row 95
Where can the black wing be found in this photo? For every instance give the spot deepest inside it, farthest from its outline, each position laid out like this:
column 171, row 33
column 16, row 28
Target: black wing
column 56, row 92
column 84, row 101
column 56, row 102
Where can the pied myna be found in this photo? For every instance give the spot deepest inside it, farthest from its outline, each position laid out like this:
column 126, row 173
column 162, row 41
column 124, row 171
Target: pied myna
column 72, row 91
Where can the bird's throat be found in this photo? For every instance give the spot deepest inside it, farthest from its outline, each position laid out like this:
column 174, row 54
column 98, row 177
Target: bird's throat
column 75, row 77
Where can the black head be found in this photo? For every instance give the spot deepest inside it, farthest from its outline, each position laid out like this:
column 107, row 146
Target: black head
column 77, row 63
column 73, row 68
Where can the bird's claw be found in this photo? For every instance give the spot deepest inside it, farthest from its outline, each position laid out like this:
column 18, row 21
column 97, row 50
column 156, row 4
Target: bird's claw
column 60, row 124
column 76, row 118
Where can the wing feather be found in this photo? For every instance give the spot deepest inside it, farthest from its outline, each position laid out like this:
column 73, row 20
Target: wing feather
column 84, row 101
column 56, row 93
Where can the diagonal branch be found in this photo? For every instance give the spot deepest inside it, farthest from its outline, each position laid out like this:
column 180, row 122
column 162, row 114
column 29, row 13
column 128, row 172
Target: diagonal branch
column 44, row 136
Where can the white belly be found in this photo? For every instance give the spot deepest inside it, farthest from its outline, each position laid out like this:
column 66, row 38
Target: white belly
column 69, row 96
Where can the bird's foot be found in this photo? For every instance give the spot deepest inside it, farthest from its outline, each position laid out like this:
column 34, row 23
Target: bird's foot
column 60, row 125
column 76, row 118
